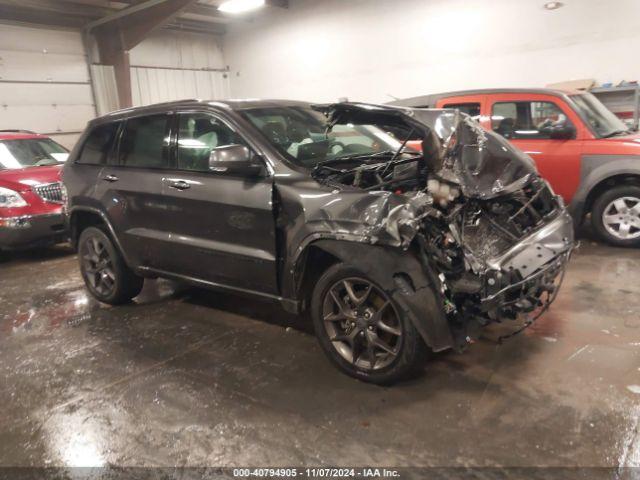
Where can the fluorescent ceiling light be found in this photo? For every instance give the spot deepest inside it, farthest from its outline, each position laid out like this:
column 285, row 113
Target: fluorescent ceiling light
column 240, row 6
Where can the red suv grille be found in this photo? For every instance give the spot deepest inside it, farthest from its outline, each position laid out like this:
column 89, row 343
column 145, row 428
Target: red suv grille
column 50, row 192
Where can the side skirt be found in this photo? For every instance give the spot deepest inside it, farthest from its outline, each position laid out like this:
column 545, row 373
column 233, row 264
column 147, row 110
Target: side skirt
column 288, row 304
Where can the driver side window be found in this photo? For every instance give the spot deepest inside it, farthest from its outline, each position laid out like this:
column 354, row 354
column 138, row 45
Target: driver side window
column 526, row 120
column 198, row 135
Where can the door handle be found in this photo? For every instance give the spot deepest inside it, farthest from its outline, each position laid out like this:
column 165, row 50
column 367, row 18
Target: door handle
column 110, row 178
column 179, row 185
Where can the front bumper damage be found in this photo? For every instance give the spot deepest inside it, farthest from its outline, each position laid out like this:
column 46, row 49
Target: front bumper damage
column 522, row 283
column 534, row 262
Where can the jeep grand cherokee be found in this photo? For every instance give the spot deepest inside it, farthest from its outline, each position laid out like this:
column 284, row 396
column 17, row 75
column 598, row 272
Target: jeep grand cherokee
column 392, row 249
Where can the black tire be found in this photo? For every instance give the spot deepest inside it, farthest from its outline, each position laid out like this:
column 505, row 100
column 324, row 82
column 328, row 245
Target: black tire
column 103, row 269
column 603, row 204
column 410, row 348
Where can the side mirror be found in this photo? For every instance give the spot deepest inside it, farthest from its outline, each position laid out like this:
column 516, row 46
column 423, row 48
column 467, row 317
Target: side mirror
column 235, row 160
column 564, row 131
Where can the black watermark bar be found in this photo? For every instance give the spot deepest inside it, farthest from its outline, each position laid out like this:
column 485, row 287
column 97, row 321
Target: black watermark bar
column 398, row 473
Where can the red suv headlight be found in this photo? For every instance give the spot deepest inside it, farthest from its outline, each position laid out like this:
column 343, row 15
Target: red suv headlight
column 11, row 199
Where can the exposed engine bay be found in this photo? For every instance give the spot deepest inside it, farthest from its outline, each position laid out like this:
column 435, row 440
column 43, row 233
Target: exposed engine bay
column 470, row 205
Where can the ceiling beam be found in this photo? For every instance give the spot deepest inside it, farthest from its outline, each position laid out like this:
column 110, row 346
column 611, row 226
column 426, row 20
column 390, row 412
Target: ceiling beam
column 206, row 10
column 138, row 12
column 41, row 17
column 81, row 12
column 89, row 11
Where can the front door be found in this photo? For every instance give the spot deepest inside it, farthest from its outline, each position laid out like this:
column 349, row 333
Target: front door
column 526, row 123
column 221, row 226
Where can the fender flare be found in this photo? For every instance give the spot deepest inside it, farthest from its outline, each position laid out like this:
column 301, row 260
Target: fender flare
column 596, row 169
column 401, row 274
column 107, row 223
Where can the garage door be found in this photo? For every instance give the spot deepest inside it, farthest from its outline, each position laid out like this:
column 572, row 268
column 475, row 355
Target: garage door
column 44, row 82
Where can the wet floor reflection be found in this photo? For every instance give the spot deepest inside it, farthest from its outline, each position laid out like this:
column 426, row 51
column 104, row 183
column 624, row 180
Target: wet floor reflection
column 188, row 377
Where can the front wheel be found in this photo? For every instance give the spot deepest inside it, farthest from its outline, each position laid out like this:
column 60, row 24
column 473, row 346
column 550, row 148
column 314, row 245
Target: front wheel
column 103, row 269
column 363, row 331
column 615, row 216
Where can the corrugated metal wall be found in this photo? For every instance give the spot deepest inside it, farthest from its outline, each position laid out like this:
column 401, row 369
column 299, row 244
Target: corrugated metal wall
column 104, row 86
column 167, row 66
column 152, row 85
column 44, row 82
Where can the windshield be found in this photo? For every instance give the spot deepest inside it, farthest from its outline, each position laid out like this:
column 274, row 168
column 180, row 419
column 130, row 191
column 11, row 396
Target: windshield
column 299, row 133
column 603, row 122
column 31, row 152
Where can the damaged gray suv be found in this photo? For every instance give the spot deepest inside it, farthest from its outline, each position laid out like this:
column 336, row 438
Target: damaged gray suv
column 400, row 230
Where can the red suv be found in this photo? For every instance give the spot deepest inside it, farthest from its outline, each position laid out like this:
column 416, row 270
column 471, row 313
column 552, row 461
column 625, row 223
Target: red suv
column 587, row 154
column 31, row 194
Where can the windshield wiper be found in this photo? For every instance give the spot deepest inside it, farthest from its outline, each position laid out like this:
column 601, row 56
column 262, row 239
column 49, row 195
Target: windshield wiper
column 353, row 156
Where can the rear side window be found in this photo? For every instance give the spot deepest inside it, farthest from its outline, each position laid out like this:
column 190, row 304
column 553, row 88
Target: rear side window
column 471, row 109
column 98, row 144
column 144, row 142
column 526, row 120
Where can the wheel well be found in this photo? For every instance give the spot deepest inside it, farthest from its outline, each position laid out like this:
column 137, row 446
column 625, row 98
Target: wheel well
column 315, row 263
column 82, row 220
column 607, row 184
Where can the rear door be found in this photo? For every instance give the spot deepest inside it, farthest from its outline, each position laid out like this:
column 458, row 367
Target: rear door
column 221, row 226
column 130, row 187
column 523, row 119
column 95, row 149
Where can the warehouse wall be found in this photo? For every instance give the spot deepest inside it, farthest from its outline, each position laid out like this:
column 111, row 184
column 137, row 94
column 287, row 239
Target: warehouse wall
column 168, row 66
column 44, row 82
column 166, row 48
column 372, row 49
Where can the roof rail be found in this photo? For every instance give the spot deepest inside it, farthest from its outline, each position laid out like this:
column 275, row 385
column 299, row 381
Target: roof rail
column 16, row 130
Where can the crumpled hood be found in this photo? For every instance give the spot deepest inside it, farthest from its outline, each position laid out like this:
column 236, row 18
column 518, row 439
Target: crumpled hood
column 454, row 146
column 484, row 164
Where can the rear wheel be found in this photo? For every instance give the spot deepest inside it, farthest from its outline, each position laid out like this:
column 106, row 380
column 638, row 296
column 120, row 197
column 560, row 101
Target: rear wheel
column 103, row 269
column 616, row 216
column 362, row 329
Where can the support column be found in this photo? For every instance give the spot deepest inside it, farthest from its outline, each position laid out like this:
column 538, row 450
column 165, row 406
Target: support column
column 118, row 33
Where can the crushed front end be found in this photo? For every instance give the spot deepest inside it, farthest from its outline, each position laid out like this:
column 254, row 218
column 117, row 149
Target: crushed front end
column 500, row 259
column 473, row 209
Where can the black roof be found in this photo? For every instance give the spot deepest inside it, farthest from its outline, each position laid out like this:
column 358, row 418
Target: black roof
column 234, row 105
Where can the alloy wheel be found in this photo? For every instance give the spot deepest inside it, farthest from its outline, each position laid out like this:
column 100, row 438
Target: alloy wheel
column 98, row 266
column 621, row 218
column 362, row 323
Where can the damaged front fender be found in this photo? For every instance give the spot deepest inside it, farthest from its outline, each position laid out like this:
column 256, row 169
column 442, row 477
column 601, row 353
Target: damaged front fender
column 405, row 279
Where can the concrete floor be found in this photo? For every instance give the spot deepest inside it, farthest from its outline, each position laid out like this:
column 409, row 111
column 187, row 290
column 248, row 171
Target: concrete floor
column 189, row 377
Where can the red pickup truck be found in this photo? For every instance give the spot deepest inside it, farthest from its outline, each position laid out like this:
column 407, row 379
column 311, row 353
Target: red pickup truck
column 31, row 194
column 585, row 152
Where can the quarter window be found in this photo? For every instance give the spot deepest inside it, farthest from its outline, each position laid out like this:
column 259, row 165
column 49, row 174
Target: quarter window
column 471, row 109
column 198, row 135
column 144, row 142
column 524, row 120
column 98, row 144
